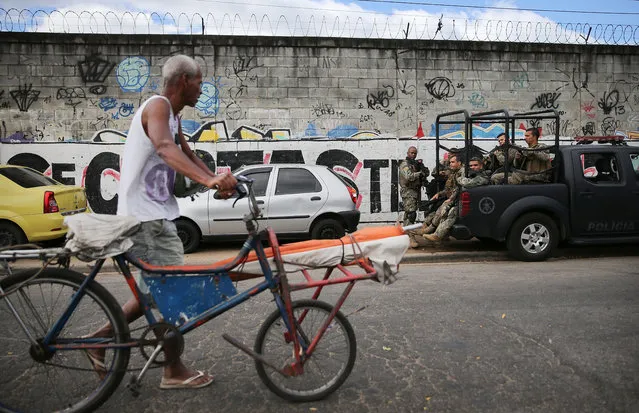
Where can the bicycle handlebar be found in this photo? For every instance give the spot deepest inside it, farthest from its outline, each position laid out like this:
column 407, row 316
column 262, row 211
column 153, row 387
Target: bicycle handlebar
column 244, row 188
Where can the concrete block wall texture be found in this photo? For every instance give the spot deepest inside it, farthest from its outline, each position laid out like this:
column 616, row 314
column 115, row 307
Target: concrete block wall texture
column 270, row 99
column 61, row 87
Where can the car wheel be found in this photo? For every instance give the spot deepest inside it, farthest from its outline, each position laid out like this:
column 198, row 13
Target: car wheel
column 328, row 229
column 11, row 234
column 533, row 237
column 189, row 234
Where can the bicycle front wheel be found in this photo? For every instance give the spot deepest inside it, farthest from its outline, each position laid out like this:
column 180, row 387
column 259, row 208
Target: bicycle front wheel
column 325, row 370
column 63, row 380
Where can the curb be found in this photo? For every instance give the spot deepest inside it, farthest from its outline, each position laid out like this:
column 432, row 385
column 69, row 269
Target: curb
column 421, row 256
column 454, row 256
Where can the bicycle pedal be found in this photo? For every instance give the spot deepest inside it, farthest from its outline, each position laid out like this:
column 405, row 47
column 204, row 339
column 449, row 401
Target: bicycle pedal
column 134, row 386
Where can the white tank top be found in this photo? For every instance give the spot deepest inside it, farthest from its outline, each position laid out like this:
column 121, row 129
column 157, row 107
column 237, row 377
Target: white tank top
column 146, row 181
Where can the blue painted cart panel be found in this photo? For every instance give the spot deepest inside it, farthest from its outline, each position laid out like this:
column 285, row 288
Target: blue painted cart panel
column 182, row 297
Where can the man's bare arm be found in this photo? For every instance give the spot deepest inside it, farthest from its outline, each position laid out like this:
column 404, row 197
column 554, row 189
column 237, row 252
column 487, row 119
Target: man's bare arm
column 191, row 154
column 155, row 120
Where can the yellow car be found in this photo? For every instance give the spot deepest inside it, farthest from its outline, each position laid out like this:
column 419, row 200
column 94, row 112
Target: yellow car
column 33, row 206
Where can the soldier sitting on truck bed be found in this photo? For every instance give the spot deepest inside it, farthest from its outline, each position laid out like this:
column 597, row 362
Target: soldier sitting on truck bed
column 450, row 192
column 476, row 177
column 496, row 158
column 537, row 162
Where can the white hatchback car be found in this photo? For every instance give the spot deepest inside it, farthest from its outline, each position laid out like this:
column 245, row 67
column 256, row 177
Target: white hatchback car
column 297, row 201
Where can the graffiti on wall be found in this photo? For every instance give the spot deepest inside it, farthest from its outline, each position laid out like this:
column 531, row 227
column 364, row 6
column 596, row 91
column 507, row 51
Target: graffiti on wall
column 95, row 69
column 133, row 73
column 209, row 102
column 368, row 165
column 588, row 103
column 100, row 175
column 440, row 88
column 24, row 96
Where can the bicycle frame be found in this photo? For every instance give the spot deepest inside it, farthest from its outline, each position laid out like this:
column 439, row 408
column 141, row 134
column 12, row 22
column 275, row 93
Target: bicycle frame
column 278, row 284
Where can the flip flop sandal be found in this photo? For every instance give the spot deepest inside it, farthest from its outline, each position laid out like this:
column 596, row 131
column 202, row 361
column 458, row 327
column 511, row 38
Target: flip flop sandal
column 98, row 365
column 186, row 384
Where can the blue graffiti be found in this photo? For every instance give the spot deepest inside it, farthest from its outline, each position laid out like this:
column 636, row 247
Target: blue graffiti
column 153, row 85
column 209, row 102
column 342, row 131
column 189, row 126
column 126, row 109
column 133, row 73
column 481, row 131
column 107, row 103
column 311, row 130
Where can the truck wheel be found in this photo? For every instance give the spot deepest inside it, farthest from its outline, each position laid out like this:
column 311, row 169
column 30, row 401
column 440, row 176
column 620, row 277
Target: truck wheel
column 533, row 237
column 189, row 234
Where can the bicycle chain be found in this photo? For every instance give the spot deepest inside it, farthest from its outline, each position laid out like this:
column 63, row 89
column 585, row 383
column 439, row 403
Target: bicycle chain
column 140, row 343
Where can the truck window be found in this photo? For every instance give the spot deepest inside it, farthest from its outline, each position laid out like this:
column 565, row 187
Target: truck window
column 634, row 158
column 600, row 167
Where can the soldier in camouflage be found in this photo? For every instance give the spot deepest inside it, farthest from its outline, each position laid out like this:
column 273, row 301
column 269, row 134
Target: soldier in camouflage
column 536, row 161
column 476, row 177
column 496, row 159
column 411, row 175
column 450, row 192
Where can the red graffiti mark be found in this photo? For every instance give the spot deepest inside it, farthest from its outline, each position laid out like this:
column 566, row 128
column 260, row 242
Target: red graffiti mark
column 352, row 175
column 359, row 200
column 522, row 127
column 48, row 172
column 267, row 158
column 222, row 170
column 84, row 176
column 588, row 108
column 112, row 173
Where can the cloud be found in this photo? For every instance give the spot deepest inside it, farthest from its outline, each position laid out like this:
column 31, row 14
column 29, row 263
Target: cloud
column 325, row 18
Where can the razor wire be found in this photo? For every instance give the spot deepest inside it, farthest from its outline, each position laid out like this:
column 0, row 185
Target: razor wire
column 386, row 27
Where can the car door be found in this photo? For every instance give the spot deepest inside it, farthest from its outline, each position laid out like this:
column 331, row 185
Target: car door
column 604, row 203
column 227, row 220
column 297, row 197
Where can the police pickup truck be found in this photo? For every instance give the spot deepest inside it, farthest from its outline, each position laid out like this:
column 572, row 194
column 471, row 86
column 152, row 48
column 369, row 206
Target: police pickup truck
column 594, row 199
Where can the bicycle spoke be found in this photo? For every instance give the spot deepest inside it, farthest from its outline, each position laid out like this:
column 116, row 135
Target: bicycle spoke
column 37, row 380
column 325, row 369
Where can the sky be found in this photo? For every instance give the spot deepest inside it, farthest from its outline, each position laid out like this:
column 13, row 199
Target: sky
column 357, row 18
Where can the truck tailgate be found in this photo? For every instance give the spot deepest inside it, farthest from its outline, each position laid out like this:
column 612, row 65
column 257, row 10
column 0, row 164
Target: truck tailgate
column 488, row 211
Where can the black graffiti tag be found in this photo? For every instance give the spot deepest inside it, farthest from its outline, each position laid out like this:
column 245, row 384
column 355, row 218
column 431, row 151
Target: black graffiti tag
column 589, row 129
column 546, row 101
column 381, row 99
column 94, row 69
column 609, row 101
column 441, row 88
column 24, row 96
column 608, row 126
column 98, row 89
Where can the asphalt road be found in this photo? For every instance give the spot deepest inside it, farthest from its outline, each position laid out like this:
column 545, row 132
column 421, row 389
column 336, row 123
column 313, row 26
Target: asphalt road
column 559, row 336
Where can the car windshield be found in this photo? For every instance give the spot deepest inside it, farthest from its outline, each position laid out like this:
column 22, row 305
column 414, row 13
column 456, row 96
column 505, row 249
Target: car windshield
column 27, row 178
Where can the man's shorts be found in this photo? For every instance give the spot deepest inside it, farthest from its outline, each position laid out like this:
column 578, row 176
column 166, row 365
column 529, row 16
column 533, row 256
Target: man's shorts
column 157, row 242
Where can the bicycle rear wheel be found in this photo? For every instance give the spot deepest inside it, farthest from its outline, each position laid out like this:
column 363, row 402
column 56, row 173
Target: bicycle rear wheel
column 325, row 370
column 66, row 379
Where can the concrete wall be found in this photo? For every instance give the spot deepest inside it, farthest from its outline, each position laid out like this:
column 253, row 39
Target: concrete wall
column 270, row 99
column 68, row 87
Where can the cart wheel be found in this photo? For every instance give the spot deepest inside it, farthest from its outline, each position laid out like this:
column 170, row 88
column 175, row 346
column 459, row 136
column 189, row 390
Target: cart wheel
column 325, row 370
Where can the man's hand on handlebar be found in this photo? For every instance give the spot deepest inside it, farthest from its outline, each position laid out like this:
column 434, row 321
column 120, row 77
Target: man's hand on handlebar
column 224, row 183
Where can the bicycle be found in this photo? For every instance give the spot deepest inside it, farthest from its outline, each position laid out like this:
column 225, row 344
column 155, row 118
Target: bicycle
column 53, row 312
